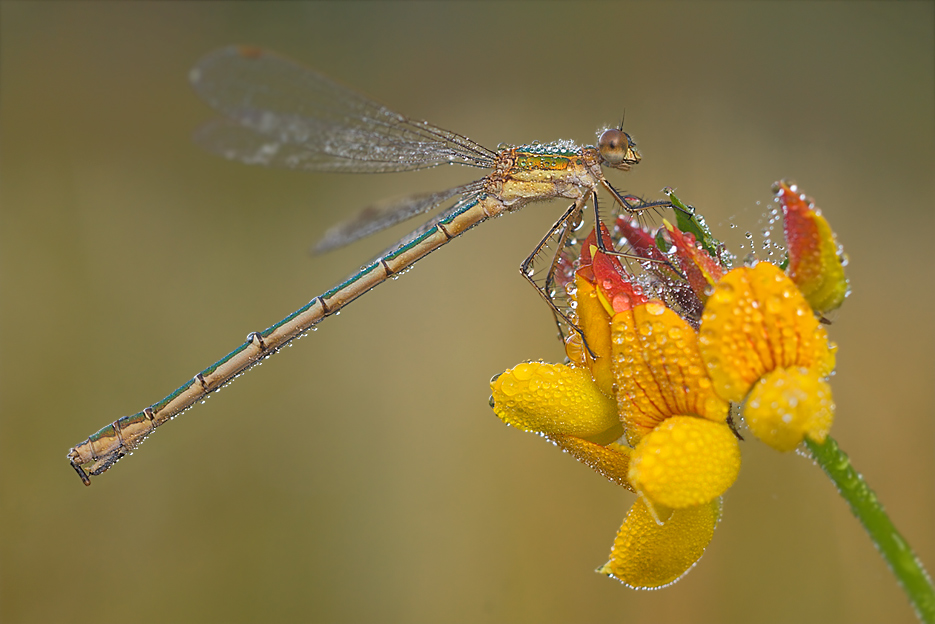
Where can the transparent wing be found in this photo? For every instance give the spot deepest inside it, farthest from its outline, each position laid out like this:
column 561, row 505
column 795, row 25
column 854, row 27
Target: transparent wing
column 472, row 193
column 386, row 214
column 280, row 113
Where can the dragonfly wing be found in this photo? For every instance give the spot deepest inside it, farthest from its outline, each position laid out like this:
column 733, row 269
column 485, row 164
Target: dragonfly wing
column 386, row 214
column 287, row 104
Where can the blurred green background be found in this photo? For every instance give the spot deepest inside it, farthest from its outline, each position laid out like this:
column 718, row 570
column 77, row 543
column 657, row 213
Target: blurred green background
column 361, row 476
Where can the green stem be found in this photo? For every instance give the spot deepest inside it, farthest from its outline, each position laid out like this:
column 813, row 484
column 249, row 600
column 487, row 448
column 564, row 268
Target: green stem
column 896, row 552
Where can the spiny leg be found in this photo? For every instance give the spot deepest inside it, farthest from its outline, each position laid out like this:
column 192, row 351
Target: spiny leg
column 566, row 223
column 601, row 244
column 634, row 204
column 569, row 225
column 571, row 215
column 632, row 209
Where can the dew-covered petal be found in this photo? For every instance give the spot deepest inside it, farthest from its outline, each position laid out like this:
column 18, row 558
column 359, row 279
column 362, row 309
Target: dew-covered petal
column 594, row 322
column 701, row 270
column 659, row 370
column 649, row 556
column 788, row 404
column 611, row 461
column 756, row 321
column 641, row 241
column 615, row 286
column 814, row 257
column 554, row 399
column 685, row 461
column 824, row 352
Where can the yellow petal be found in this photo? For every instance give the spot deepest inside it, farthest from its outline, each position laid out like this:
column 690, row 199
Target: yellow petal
column 594, row 322
column 648, row 556
column 659, row 370
column 611, row 461
column 554, row 399
column 825, row 357
column 685, row 461
column 756, row 321
column 788, row 404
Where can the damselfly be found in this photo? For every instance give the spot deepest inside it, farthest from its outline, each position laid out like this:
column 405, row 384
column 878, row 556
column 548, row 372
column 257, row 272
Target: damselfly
column 279, row 113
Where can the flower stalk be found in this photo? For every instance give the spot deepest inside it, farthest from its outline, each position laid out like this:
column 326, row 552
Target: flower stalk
column 865, row 506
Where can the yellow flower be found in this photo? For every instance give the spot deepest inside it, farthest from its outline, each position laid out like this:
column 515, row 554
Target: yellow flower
column 642, row 413
column 649, row 551
column 760, row 339
column 761, row 342
column 646, row 399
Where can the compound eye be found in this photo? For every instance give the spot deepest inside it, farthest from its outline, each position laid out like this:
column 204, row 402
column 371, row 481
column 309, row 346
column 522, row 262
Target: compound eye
column 614, row 145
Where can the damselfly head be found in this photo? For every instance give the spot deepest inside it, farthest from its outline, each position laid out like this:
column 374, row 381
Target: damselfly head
column 617, row 149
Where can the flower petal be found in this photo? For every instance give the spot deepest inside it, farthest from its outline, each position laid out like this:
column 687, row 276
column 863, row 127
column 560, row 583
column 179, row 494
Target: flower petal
column 701, row 270
column 788, row 404
column 614, row 286
column 685, row 461
column 659, row 370
column 594, row 322
column 611, row 461
column 649, row 556
column 554, row 399
column 641, row 242
column 814, row 262
column 676, row 291
column 756, row 321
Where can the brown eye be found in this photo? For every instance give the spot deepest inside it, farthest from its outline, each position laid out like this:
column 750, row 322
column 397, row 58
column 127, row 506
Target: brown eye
column 614, row 145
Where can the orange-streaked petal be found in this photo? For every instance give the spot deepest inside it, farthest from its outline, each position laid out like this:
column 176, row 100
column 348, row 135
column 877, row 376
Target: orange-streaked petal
column 611, row 461
column 701, row 270
column 641, row 242
column 677, row 291
column 659, row 370
column 788, row 404
column 594, row 321
column 756, row 321
column 814, row 262
column 649, row 556
column 615, row 287
column 554, row 399
column 685, row 461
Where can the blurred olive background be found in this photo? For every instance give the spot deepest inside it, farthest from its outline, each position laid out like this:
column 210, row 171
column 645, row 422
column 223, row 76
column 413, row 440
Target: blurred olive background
column 361, row 476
